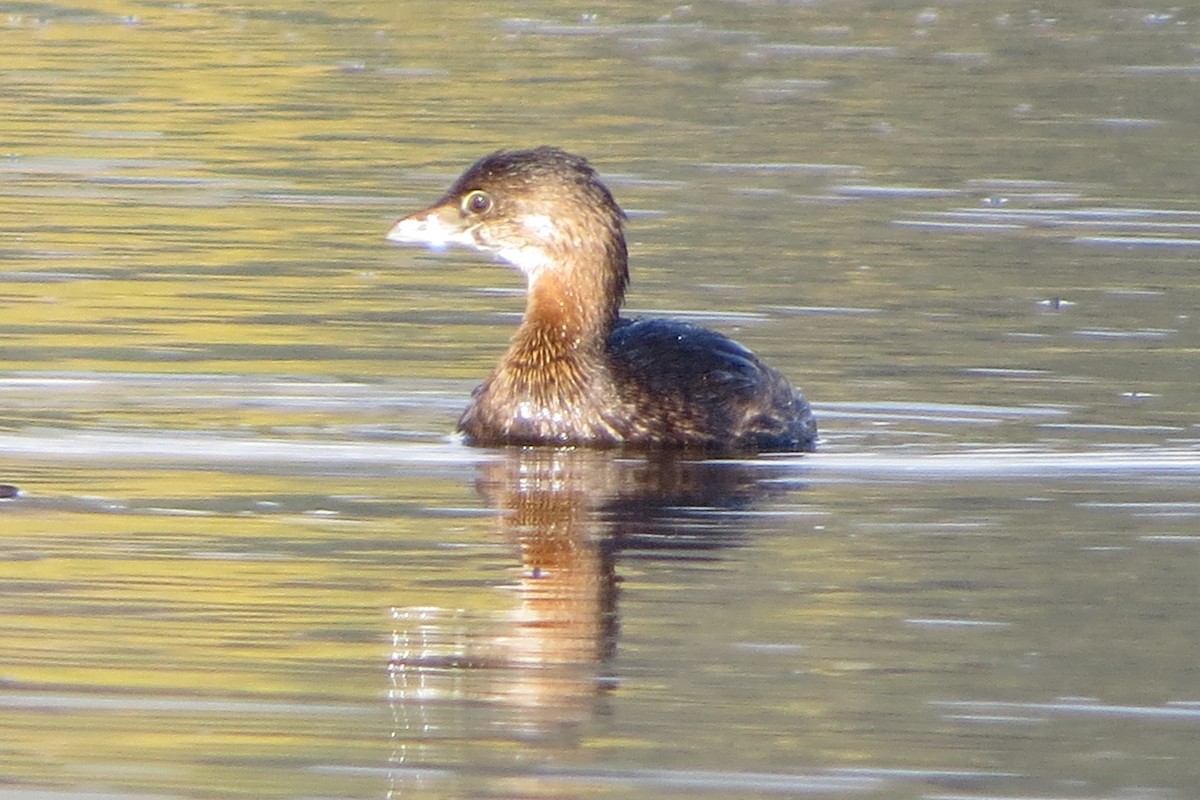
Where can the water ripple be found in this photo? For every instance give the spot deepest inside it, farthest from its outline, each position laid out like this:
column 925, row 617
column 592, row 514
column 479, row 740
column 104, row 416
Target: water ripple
column 167, row 448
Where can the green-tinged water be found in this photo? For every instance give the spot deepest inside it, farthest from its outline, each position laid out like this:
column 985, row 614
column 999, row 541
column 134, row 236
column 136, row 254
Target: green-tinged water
column 249, row 560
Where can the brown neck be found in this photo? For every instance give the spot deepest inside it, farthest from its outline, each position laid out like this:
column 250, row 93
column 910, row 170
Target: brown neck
column 568, row 316
column 556, row 374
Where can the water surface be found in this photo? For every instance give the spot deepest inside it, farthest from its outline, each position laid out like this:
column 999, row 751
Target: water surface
column 249, row 560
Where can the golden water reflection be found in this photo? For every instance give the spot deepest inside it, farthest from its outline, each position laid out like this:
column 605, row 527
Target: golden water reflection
column 967, row 230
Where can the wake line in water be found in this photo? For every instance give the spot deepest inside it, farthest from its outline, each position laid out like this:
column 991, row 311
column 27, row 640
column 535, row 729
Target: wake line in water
column 1127, row 465
column 286, row 456
column 181, row 449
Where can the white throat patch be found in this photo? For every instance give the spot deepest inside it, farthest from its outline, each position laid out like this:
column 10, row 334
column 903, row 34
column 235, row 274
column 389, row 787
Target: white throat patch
column 539, row 225
column 528, row 259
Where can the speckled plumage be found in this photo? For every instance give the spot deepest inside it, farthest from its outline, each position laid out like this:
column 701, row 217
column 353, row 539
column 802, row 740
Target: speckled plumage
column 576, row 373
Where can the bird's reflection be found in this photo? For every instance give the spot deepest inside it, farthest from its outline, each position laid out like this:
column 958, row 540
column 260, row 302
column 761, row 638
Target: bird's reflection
column 547, row 504
column 543, row 668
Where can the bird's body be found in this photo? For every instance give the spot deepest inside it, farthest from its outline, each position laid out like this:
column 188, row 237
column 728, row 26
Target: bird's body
column 576, row 373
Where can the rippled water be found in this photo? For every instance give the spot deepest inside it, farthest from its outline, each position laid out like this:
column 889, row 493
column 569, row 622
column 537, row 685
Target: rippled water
column 248, row 559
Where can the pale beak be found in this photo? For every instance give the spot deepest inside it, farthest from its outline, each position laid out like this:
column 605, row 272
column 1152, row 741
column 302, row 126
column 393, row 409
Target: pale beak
column 427, row 228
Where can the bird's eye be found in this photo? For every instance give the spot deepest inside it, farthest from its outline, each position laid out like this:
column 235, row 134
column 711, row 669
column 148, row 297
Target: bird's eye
column 477, row 202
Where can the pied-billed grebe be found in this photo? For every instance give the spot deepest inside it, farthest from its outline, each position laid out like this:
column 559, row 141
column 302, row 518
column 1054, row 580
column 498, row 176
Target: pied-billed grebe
column 575, row 372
